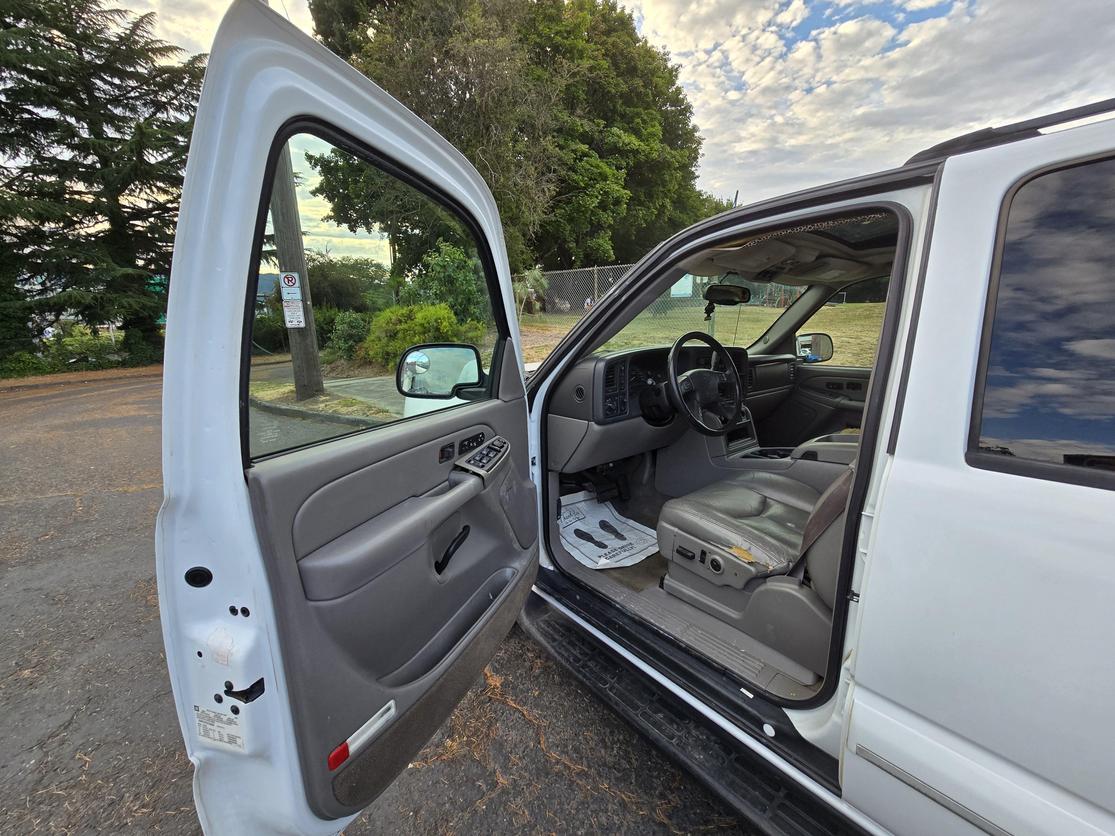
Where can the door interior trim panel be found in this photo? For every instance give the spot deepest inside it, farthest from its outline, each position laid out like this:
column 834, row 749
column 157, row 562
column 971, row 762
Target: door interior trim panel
column 397, row 577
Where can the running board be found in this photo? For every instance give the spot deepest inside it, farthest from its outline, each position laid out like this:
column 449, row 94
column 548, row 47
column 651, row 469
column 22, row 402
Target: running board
column 769, row 800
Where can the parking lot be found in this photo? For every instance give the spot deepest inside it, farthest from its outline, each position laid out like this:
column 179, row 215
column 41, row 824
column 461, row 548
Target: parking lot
column 92, row 742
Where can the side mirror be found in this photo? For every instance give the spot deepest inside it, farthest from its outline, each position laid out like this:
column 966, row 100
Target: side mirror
column 438, row 370
column 814, row 348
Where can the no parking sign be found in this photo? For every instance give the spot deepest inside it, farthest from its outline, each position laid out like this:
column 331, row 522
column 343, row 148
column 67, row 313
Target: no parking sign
column 290, row 287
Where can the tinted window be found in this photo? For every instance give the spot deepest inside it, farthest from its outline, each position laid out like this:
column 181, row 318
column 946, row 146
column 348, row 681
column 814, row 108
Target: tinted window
column 1049, row 394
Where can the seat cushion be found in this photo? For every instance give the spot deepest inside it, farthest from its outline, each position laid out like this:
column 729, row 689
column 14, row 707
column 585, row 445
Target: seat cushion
column 761, row 512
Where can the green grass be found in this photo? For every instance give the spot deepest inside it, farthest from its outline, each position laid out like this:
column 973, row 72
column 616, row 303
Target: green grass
column 854, row 329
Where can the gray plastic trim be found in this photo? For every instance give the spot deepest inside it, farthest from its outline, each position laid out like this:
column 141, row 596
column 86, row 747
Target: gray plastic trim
column 361, row 555
column 835, row 452
column 603, row 443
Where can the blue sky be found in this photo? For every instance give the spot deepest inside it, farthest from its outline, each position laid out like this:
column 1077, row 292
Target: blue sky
column 790, row 93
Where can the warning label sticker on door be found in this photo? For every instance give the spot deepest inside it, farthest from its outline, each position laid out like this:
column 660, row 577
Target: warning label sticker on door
column 293, row 314
column 216, row 727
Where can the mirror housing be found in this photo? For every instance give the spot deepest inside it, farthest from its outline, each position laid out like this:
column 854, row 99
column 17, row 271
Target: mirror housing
column 727, row 294
column 438, row 370
column 814, row 348
column 724, row 294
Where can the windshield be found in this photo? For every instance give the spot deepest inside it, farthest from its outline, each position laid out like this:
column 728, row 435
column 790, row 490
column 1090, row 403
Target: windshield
column 681, row 308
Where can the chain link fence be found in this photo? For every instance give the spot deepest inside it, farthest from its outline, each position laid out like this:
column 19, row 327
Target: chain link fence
column 548, row 315
column 573, row 291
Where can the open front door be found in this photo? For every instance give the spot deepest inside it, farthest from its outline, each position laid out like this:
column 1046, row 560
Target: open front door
column 337, row 560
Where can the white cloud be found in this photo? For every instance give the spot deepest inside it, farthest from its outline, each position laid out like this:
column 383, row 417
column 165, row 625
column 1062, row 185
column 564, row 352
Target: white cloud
column 782, row 108
column 866, row 90
column 1094, row 349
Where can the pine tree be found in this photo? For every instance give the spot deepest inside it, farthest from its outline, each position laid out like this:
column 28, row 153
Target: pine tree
column 95, row 118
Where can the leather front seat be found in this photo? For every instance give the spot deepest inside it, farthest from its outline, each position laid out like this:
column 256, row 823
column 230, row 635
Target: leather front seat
column 763, row 513
column 777, row 544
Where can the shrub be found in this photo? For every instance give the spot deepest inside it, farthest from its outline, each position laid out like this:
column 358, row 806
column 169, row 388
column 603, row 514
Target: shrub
column 448, row 274
column 530, row 290
column 81, row 350
column 324, row 317
column 269, row 332
column 24, row 364
column 350, row 328
column 339, row 281
column 396, row 329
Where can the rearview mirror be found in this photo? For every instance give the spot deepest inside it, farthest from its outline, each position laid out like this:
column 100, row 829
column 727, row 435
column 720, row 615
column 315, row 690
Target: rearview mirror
column 814, row 348
column 437, row 370
column 727, row 294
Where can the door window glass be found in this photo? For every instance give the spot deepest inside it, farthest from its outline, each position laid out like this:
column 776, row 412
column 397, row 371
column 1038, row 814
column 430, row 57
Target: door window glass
column 853, row 317
column 1049, row 391
column 355, row 267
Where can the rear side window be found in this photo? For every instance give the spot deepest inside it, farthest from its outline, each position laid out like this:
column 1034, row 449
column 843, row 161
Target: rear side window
column 1045, row 396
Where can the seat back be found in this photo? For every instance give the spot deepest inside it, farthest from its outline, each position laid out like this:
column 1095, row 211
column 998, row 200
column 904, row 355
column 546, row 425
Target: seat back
column 822, row 560
column 823, row 537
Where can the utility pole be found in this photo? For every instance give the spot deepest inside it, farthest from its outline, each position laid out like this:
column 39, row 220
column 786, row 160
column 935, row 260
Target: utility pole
column 292, row 259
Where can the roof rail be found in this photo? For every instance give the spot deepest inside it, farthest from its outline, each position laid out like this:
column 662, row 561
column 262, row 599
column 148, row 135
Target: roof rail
column 990, row 137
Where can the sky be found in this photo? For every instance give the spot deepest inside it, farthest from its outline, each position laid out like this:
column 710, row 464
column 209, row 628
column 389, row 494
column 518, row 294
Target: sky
column 790, row 94
column 318, row 233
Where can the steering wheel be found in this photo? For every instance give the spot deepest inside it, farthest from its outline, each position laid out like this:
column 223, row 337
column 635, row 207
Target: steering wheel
column 711, row 400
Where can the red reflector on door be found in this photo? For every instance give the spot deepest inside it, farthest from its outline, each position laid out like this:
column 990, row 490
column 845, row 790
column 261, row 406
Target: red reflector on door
column 338, row 756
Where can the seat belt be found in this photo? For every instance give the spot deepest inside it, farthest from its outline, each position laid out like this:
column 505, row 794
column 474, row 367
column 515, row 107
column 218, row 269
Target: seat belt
column 830, row 505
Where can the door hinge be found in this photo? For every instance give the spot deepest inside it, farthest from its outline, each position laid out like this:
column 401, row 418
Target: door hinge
column 853, row 596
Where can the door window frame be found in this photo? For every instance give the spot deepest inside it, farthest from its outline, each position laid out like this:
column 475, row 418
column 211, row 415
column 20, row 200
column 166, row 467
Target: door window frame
column 338, row 138
column 973, row 456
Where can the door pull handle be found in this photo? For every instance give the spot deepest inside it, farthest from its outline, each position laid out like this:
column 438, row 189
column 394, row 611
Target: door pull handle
column 439, row 566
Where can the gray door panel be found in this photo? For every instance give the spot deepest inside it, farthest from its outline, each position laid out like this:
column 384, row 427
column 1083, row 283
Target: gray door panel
column 351, row 531
column 825, row 399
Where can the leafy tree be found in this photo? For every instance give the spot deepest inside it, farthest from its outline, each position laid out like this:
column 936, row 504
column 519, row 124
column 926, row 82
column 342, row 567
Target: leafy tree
column 576, row 122
column 363, row 197
column 629, row 148
column 342, row 24
column 95, row 116
column 447, row 274
column 348, row 282
column 462, row 67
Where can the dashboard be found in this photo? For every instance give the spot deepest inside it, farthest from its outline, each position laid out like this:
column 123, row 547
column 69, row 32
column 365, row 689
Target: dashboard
column 594, row 415
column 620, row 378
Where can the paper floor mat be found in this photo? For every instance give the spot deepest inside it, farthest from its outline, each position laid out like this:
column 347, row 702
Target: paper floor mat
column 595, row 534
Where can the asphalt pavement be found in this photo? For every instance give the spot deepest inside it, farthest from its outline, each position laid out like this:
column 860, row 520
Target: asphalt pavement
column 90, row 741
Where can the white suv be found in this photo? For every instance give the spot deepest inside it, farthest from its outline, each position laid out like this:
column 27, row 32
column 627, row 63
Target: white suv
column 850, row 563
